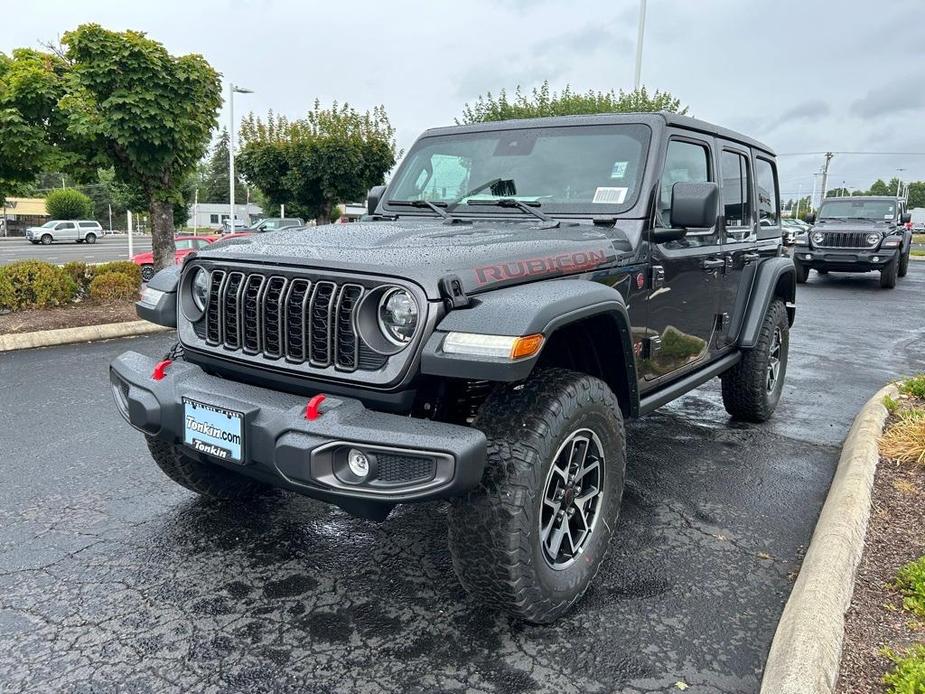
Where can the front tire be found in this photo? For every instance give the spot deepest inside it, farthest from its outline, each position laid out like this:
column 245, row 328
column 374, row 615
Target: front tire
column 904, row 263
column 802, row 272
column 888, row 275
column 46, row 240
column 752, row 388
column 531, row 537
column 209, row 480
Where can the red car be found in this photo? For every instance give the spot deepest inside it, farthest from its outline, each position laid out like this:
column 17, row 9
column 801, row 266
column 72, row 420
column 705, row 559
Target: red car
column 185, row 246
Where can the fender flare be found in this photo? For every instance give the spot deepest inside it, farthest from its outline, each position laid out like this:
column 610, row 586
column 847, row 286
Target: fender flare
column 775, row 277
column 541, row 307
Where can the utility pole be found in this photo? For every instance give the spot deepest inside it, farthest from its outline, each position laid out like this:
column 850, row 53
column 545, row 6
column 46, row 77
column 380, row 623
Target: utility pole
column 825, row 174
column 796, row 215
column 899, row 180
column 196, row 212
column 637, row 82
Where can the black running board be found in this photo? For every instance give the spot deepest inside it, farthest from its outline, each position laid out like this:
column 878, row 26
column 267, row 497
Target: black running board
column 676, row 389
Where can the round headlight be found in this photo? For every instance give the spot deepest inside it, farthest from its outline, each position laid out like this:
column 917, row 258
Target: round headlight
column 873, row 239
column 398, row 316
column 200, row 288
column 818, row 237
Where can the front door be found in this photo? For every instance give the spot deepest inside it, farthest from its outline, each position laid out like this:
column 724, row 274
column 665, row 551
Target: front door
column 686, row 274
column 740, row 234
column 66, row 231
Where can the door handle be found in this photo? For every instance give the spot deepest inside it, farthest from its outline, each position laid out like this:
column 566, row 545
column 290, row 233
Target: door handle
column 711, row 264
column 750, row 257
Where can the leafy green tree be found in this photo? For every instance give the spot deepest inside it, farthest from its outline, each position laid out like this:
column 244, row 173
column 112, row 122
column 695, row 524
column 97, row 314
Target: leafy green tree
column 68, row 203
column 837, row 192
column 917, row 194
column 542, row 101
column 311, row 164
column 133, row 106
column 880, row 188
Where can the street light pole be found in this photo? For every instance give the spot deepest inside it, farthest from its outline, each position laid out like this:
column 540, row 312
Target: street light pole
column 642, row 30
column 232, row 90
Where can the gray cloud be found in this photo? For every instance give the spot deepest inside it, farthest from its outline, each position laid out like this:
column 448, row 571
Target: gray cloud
column 903, row 95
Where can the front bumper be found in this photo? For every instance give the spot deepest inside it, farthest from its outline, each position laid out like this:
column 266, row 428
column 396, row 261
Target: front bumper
column 283, row 448
column 844, row 259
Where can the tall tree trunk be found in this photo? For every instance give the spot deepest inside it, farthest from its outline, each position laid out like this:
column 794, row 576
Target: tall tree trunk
column 324, row 217
column 162, row 232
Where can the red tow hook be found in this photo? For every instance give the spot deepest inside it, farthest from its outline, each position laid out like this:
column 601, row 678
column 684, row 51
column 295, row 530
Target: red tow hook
column 160, row 369
column 312, row 409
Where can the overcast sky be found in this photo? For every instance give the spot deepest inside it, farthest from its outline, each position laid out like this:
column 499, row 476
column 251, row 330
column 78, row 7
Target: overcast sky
column 803, row 76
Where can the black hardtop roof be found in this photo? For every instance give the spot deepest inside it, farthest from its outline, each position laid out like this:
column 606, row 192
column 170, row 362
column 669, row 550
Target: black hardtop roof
column 657, row 118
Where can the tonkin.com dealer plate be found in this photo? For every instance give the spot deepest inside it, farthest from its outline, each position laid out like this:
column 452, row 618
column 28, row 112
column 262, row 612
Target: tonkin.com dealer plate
column 213, row 430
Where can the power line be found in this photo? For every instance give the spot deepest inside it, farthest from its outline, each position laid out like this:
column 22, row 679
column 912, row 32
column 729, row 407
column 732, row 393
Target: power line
column 886, row 154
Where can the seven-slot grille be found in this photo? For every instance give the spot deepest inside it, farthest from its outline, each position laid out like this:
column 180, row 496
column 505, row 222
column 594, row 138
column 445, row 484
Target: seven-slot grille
column 845, row 239
column 281, row 317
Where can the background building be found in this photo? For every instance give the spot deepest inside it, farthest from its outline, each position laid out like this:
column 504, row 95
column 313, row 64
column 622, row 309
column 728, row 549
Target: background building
column 210, row 215
column 19, row 213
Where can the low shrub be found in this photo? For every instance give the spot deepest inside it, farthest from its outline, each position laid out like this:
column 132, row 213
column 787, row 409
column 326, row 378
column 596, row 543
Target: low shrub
column 114, row 286
column 905, row 440
column 911, row 581
column 908, row 675
column 891, row 404
column 125, row 267
column 914, row 386
column 35, row 284
column 81, row 273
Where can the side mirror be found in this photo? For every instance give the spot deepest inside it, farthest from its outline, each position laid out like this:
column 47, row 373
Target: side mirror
column 905, row 218
column 373, row 197
column 694, row 205
column 810, row 218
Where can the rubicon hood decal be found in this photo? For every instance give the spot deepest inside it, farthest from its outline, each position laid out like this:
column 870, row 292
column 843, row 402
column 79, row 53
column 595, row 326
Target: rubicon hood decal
column 484, row 254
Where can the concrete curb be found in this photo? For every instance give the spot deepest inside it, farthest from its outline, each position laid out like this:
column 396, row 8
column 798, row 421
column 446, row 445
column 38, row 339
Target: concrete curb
column 86, row 333
column 806, row 651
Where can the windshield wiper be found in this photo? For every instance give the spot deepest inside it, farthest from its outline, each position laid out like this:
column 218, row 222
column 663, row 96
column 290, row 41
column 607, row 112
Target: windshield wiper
column 528, row 207
column 435, row 206
column 474, row 191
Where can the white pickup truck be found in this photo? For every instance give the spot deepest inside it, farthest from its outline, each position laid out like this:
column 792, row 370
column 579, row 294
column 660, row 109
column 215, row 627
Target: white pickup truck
column 78, row 230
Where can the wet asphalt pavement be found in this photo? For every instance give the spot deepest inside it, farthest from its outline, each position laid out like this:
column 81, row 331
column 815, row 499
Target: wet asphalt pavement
column 113, row 578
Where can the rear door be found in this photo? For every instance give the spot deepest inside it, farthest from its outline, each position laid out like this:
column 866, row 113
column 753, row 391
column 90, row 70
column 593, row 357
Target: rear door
column 739, row 222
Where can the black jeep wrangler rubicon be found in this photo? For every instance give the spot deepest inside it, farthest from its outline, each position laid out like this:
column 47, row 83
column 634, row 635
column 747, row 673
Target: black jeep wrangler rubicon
column 857, row 234
column 517, row 291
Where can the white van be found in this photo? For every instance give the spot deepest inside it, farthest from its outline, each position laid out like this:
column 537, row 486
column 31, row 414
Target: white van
column 78, row 230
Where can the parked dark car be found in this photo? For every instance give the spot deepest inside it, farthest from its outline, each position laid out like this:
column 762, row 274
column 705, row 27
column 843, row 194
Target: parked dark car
column 857, row 234
column 518, row 290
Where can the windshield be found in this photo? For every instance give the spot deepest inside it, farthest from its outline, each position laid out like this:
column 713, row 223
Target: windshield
column 874, row 210
column 48, row 225
column 590, row 169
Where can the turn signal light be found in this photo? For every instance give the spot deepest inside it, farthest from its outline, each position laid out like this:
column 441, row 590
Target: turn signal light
column 526, row 346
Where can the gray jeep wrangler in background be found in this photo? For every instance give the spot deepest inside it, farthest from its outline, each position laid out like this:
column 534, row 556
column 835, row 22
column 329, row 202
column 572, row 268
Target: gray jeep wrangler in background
column 857, row 234
column 516, row 292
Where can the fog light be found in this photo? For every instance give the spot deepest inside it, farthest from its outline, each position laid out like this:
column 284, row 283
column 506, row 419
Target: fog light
column 358, row 463
column 876, row 258
column 808, row 256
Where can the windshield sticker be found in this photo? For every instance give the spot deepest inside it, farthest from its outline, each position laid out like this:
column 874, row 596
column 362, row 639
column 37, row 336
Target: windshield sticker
column 888, row 216
column 609, row 196
column 619, row 169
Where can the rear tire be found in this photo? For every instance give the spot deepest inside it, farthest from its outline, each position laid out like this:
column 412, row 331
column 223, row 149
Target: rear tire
column 206, row 479
column 752, row 388
column 904, row 264
column 888, row 275
column 531, row 537
column 90, row 238
column 802, row 273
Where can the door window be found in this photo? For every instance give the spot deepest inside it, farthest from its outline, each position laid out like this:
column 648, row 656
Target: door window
column 685, row 162
column 768, row 196
column 736, row 204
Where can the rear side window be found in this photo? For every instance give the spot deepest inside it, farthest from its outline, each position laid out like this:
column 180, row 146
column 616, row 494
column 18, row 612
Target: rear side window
column 94, row 225
column 736, row 206
column 685, row 162
column 768, row 195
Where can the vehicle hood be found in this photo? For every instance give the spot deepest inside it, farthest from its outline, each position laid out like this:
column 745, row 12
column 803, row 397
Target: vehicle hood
column 483, row 254
column 143, row 258
column 861, row 225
